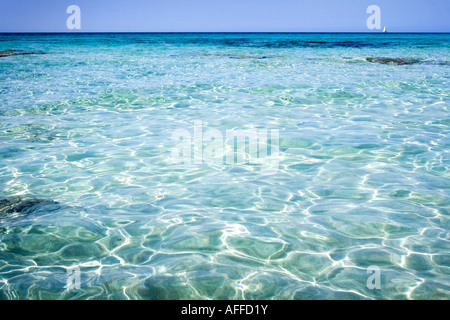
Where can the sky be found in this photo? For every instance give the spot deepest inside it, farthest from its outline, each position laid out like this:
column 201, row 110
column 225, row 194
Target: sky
column 224, row 15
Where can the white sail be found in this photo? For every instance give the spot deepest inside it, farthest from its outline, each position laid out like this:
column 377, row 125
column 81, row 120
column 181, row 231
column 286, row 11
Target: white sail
column 384, row 30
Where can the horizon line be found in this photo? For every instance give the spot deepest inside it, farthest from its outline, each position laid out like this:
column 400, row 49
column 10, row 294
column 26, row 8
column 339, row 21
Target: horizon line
column 224, row 32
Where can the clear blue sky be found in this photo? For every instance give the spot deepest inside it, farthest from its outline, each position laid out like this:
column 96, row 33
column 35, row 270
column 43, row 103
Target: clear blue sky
column 224, row 15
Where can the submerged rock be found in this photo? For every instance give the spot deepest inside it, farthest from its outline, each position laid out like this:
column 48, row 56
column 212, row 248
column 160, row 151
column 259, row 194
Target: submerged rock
column 16, row 206
column 8, row 53
column 394, row 61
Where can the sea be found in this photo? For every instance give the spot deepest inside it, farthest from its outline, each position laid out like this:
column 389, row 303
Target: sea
column 353, row 201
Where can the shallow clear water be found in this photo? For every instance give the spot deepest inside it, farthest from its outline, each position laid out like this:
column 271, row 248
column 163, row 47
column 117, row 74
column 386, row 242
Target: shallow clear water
column 85, row 127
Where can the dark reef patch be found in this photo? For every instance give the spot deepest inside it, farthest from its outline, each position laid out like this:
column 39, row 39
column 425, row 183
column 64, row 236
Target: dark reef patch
column 393, row 61
column 18, row 207
column 7, row 53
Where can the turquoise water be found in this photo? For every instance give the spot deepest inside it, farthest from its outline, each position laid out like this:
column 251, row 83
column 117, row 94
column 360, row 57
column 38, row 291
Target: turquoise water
column 87, row 179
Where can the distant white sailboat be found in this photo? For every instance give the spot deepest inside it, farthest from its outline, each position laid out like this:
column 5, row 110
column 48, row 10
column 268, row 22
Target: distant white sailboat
column 384, row 30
